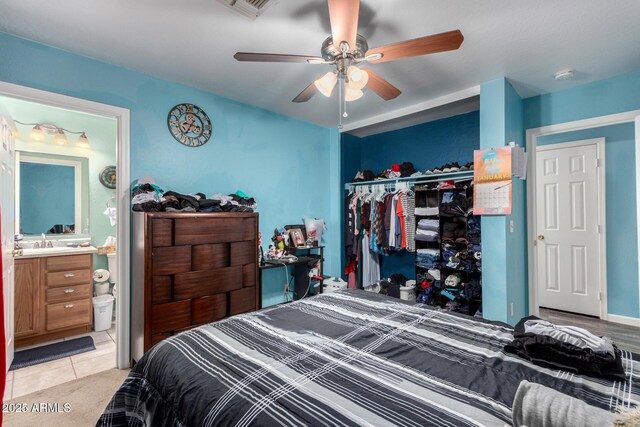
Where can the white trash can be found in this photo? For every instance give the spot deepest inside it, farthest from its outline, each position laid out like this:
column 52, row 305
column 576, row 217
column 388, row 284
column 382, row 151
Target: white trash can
column 102, row 312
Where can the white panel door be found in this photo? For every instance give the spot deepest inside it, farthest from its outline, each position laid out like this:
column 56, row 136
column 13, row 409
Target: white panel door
column 568, row 240
column 8, row 228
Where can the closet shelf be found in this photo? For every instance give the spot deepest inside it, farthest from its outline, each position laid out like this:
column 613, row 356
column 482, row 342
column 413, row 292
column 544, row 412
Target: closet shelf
column 415, row 179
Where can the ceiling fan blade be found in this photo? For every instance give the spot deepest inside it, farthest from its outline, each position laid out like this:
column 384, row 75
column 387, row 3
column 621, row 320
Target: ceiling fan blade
column 386, row 90
column 422, row 46
column 274, row 57
column 306, row 94
column 344, row 21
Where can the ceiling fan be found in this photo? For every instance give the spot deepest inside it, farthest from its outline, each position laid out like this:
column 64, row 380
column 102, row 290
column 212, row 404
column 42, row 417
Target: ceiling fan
column 346, row 50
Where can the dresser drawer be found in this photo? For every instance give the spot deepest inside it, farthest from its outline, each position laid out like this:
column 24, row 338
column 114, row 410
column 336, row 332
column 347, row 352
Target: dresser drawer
column 68, row 293
column 68, row 314
column 68, row 262
column 69, row 277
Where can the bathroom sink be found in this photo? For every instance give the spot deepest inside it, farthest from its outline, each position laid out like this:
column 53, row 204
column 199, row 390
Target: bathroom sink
column 56, row 251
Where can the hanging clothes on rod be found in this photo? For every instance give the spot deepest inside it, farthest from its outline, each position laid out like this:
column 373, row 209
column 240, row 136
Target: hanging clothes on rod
column 379, row 220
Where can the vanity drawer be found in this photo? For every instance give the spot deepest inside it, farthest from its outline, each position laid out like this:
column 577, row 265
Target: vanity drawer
column 69, row 277
column 68, row 293
column 68, row 262
column 68, row 314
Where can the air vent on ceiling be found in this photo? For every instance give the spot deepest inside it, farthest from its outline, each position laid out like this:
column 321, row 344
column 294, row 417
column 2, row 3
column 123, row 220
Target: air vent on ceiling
column 249, row 8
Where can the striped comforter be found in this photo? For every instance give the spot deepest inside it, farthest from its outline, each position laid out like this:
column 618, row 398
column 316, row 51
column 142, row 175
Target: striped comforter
column 346, row 358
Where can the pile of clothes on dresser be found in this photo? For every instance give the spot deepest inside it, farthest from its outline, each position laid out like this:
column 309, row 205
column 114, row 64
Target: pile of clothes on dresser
column 567, row 348
column 147, row 196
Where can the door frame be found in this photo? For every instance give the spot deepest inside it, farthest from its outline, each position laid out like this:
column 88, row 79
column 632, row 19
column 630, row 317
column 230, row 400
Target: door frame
column 123, row 227
column 602, row 213
column 532, row 136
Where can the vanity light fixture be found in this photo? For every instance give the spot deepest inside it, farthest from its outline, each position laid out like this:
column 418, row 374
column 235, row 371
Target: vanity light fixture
column 40, row 130
column 37, row 134
column 60, row 138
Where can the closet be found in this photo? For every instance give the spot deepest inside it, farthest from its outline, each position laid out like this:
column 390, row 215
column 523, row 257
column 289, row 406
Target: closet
column 434, row 223
column 379, row 220
column 190, row 269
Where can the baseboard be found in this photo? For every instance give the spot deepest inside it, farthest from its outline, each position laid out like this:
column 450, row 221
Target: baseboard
column 625, row 320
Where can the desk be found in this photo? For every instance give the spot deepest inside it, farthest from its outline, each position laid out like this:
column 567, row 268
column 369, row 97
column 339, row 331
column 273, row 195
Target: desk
column 300, row 272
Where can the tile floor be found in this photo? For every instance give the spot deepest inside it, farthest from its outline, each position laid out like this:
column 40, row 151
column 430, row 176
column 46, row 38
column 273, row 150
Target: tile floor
column 39, row 377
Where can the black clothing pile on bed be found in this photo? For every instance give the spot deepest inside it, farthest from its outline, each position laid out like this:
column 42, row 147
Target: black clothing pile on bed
column 550, row 352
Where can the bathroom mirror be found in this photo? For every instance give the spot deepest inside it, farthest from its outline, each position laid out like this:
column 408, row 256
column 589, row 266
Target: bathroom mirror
column 52, row 194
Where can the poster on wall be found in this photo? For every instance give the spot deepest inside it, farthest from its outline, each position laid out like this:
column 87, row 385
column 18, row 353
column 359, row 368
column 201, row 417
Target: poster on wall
column 492, row 181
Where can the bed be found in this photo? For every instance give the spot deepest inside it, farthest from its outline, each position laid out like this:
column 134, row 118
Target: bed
column 345, row 358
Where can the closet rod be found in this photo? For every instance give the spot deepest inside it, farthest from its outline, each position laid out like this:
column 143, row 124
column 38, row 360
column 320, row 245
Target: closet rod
column 412, row 180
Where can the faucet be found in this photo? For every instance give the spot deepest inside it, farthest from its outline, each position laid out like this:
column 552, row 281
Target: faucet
column 43, row 243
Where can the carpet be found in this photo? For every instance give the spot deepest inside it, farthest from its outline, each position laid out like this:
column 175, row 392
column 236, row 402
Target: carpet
column 86, row 398
column 46, row 353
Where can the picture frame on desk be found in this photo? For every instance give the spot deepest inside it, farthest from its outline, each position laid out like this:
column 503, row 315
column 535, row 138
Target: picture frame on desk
column 296, row 237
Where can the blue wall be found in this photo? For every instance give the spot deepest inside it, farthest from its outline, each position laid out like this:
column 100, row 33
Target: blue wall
column 427, row 146
column 283, row 162
column 601, row 98
column 622, row 244
column 504, row 268
column 47, row 196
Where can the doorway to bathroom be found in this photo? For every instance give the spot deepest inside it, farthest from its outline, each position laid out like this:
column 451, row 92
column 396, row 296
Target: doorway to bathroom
column 69, row 302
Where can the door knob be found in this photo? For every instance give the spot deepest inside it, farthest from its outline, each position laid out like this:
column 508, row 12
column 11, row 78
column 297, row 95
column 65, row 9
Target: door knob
column 540, row 237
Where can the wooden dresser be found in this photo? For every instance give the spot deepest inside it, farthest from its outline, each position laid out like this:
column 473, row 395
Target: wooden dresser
column 190, row 269
column 52, row 297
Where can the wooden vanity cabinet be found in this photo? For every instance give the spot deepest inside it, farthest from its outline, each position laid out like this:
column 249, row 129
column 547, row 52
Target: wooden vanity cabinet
column 26, row 297
column 52, row 298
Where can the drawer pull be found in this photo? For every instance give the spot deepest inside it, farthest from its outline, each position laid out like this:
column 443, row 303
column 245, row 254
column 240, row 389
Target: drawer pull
column 69, row 291
column 68, row 275
column 68, row 305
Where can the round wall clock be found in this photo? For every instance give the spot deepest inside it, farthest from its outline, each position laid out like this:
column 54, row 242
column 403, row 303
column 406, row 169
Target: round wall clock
column 189, row 125
column 107, row 177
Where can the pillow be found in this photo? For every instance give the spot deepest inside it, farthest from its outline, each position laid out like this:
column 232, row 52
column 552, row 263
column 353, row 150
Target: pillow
column 535, row 405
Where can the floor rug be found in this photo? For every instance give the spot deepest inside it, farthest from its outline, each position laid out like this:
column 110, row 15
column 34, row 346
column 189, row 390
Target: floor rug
column 46, row 353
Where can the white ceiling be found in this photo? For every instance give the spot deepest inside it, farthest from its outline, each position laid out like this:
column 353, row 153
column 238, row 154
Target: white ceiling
column 193, row 42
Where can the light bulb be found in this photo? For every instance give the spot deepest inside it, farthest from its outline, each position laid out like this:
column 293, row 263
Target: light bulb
column 352, row 94
column 326, row 83
column 60, row 138
column 83, row 142
column 357, row 78
column 37, row 134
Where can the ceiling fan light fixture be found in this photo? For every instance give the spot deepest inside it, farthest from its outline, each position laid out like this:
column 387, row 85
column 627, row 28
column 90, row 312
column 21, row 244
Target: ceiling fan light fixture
column 326, row 83
column 358, row 78
column 37, row 134
column 352, row 94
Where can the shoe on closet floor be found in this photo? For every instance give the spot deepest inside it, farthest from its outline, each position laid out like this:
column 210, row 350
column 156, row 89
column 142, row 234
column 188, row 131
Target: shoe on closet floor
column 438, row 170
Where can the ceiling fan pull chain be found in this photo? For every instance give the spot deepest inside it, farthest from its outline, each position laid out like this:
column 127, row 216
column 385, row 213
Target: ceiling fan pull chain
column 343, row 95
